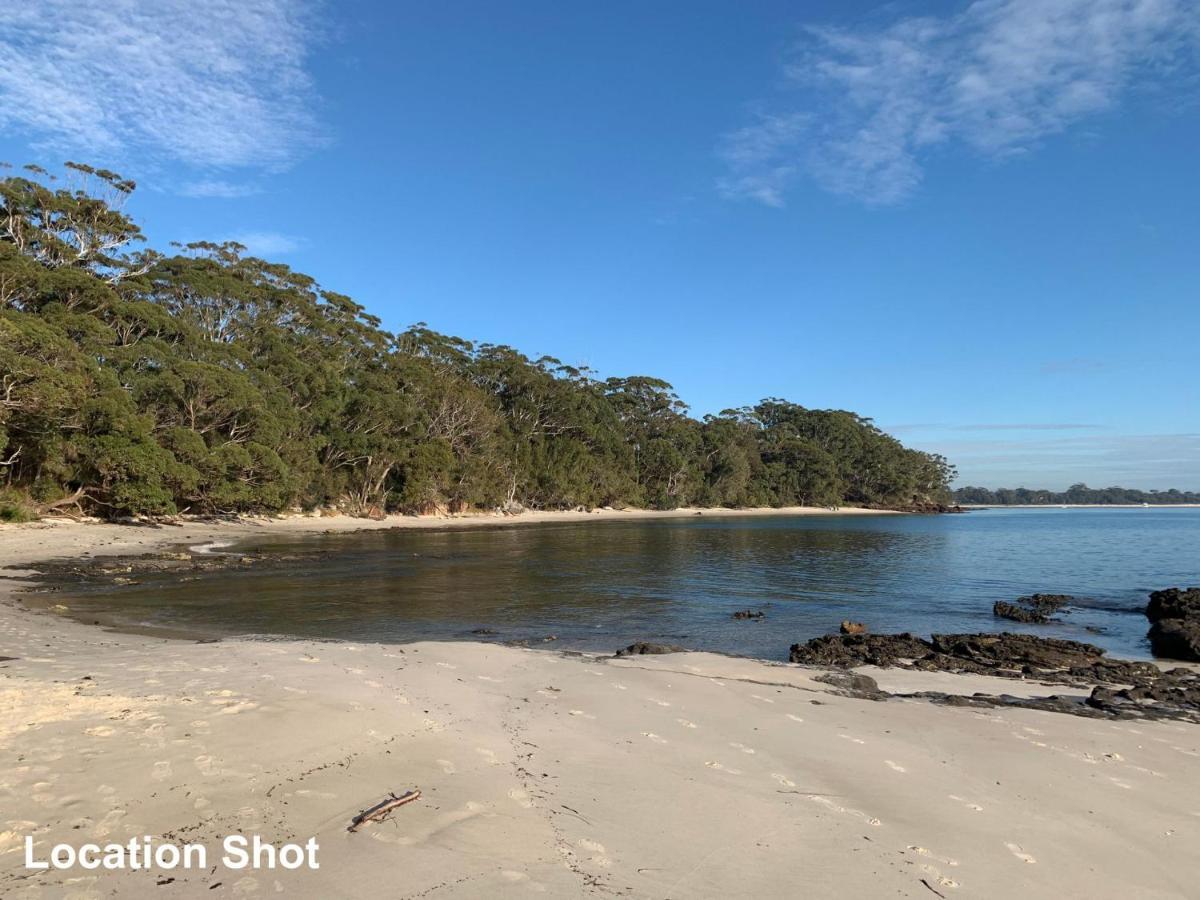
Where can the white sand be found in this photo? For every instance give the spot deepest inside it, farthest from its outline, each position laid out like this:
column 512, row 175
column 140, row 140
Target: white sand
column 689, row 775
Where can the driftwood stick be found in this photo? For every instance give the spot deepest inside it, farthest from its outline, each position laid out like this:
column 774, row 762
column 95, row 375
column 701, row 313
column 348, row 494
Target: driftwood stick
column 382, row 809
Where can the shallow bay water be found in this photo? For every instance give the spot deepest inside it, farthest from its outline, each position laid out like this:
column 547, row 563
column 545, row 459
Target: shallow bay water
column 603, row 585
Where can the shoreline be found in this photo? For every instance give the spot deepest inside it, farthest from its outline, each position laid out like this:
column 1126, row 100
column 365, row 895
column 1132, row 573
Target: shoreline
column 22, row 543
column 556, row 774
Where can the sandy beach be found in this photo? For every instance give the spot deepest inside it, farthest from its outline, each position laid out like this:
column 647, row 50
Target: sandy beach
column 555, row 774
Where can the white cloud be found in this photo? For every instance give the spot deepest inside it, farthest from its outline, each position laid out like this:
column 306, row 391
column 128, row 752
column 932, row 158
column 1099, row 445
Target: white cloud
column 997, row 77
column 215, row 187
column 268, row 243
column 212, row 85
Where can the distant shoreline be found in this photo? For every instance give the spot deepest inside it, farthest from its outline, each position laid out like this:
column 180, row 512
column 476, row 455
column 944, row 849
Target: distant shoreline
column 1080, row 505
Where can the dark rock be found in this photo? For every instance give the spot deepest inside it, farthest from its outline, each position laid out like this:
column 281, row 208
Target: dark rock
column 1034, row 609
column 1015, row 650
column 852, row 684
column 1002, row 610
column 1172, row 695
column 484, row 631
column 848, row 627
column 749, row 614
column 1174, row 603
column 850, row 650
column 643, row 647
column 1046, row 603
column 1005, row 655
column 1176, row 639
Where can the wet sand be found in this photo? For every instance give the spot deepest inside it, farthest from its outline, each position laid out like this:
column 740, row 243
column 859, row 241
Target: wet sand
column 542, row 773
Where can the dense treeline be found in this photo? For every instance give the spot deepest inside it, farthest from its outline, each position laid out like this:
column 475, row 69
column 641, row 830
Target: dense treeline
column 1076, row 493
column 135, row 382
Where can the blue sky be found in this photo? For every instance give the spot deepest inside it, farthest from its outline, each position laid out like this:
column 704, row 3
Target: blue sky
column 974, row 222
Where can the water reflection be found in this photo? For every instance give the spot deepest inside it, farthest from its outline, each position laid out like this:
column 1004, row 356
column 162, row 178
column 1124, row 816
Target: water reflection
column 601, row 585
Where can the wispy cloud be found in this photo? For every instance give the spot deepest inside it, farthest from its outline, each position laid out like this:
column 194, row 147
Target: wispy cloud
column 997, row 77
column 268, row 243
column 211, row 85
column 1144, row 460
column 225, row 190
column 1027, row 426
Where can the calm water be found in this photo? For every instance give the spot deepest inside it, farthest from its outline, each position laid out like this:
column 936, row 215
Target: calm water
column 603, row 585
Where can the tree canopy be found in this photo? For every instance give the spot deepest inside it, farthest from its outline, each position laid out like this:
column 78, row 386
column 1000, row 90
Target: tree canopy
column 1076, row 493
column 136, row 382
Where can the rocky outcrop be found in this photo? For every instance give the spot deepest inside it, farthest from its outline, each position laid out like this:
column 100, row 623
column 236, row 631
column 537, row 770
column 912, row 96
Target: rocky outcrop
column 1120, row 689
column 1006, row 655
column 845, row 651
column 1176, row 639
column 749, row 614
column 1175, row 632
column 643, row 647
column 1174, row 694
column 1174, row 603
column 1035, row 609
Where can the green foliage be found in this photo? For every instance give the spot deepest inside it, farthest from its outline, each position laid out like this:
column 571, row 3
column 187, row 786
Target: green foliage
column 211, row 381
column 15, row 508
column 1076, row 493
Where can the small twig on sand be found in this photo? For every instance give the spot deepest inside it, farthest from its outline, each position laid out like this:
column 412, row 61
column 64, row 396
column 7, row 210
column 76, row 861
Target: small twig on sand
column 931, row 887
column 382, row 809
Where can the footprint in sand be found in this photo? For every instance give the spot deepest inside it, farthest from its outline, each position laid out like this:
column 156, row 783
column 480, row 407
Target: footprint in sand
column 856, row 813
column 490, row 678
column 100, row 731
column 654, row 737
column 793, row 717
column 106, row 825
column 620, row 687
column 722, row 768
column 489, row 756
column 162, row 770
column 599, row 855
column 580, row 712
column 245, row 886
column 742, row 747
column 521, row 798
column 204, row 763
column 448, row 767
column 1015, row 850
column 783, row 779
column 236, row 708
column 922, row 851
column 846, row 737
column 763, row 699
column 895, row 767
column 967, row 803
column 659, row 702
column 446, row 665
column 685, row 723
